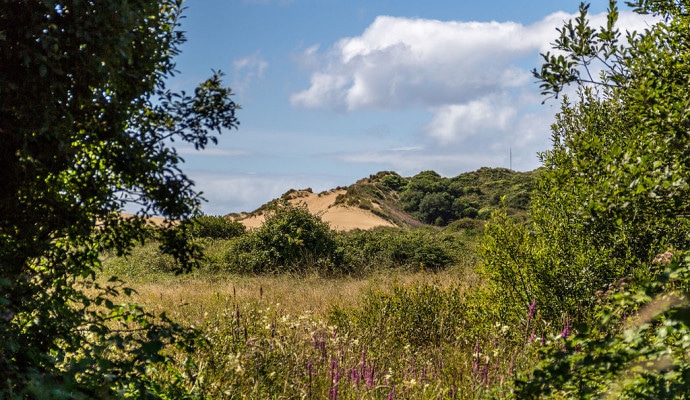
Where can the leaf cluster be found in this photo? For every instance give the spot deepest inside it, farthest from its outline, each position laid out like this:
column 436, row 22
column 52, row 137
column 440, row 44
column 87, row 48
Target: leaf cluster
column 86, row 124
column 609, row 203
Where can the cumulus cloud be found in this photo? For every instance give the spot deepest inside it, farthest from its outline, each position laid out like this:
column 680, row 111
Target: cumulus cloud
column 402, row 62
column 471, row 76
column 454, row 122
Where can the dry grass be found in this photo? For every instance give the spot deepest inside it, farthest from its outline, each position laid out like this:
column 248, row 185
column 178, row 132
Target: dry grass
column 193, row 299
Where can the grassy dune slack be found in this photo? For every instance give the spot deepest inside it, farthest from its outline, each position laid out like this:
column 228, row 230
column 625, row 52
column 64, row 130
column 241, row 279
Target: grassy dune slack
column 349, row 306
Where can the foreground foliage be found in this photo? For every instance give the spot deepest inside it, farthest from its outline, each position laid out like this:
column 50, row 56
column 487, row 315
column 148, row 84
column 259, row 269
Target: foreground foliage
column 610, row 207
column 387, row 335
column 85, row 127
column 635, row 348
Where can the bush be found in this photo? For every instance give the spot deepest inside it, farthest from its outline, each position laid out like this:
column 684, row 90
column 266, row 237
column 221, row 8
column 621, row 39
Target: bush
column 290, row 240
column 143, row 261
column 215, row 227
column 637, row 348
column 465, row 224
column 394, row 182
column 430, row 249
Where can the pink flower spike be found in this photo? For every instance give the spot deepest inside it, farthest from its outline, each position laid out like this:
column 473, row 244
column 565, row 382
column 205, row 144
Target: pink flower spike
column 532, row 309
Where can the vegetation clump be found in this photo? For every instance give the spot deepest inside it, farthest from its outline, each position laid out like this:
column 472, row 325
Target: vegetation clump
column 86, row 124
column 434, row 200
column 606, row 250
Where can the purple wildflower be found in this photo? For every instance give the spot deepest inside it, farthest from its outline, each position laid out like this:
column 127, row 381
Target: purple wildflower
column 309, row 372
column 532, row 309
column 335, row 376
column 370, row 376
column 566, row 329
column 475, row 365
column 391, row 394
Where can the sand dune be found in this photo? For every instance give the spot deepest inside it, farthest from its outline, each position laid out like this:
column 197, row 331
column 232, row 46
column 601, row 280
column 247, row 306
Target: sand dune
column 341, row 218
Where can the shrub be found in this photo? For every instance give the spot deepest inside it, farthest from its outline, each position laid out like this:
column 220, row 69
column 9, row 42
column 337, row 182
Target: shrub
column 465, row 224
column 637, row 348
column 290, row 240
column 394, row 182
column 143, row 261
column 396, row 248
column 215, row 227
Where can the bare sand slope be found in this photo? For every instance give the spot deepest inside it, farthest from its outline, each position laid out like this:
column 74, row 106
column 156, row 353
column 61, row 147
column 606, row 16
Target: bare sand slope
column 341, row 218
column 156, row 220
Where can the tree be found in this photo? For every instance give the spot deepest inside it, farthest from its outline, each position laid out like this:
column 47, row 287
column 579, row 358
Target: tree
column 86, row 125
column 612, row 193
column 611, row 208
column 435, row 208
column 292, row 237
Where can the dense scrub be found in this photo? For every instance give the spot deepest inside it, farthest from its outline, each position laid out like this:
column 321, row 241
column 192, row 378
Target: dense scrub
column 295, row 241
column 439, row 201
column 607, row 249
column 430, row 199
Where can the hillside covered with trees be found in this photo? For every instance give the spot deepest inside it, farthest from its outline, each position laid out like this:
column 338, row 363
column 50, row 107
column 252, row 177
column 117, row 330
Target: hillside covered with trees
column 427, row 198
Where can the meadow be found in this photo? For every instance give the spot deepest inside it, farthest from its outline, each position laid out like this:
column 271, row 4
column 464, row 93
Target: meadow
column 390, row 313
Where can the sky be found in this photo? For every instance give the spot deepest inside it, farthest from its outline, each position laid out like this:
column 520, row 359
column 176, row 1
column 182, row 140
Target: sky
column 332, row 91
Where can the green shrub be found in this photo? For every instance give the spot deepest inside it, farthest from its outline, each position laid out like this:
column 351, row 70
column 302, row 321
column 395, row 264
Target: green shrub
column 290, row 240
column 394, row 182
column 385, row 248
column 637, row 347
column 465, row 224
column 215, row 227
column 143, row 261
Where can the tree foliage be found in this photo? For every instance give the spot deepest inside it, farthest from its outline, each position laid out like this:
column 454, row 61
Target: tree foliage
column 86, row 124
column 290, row 239
column 214, row 227
column 437, row 200
column 612, row 197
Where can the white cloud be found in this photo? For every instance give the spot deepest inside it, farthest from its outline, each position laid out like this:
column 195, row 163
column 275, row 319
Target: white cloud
column 325, row 89
column 401, row 62
column 455, row 122
column 474, row 77
column 247, row 70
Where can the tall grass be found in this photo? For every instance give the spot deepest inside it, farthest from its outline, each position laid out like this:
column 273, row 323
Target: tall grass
column 410, row 322
column 388, row 335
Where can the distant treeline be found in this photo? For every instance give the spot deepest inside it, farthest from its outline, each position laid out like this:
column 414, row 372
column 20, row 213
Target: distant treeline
column 432, row 199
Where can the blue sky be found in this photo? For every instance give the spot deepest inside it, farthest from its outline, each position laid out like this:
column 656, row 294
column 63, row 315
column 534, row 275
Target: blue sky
column 333, row 91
